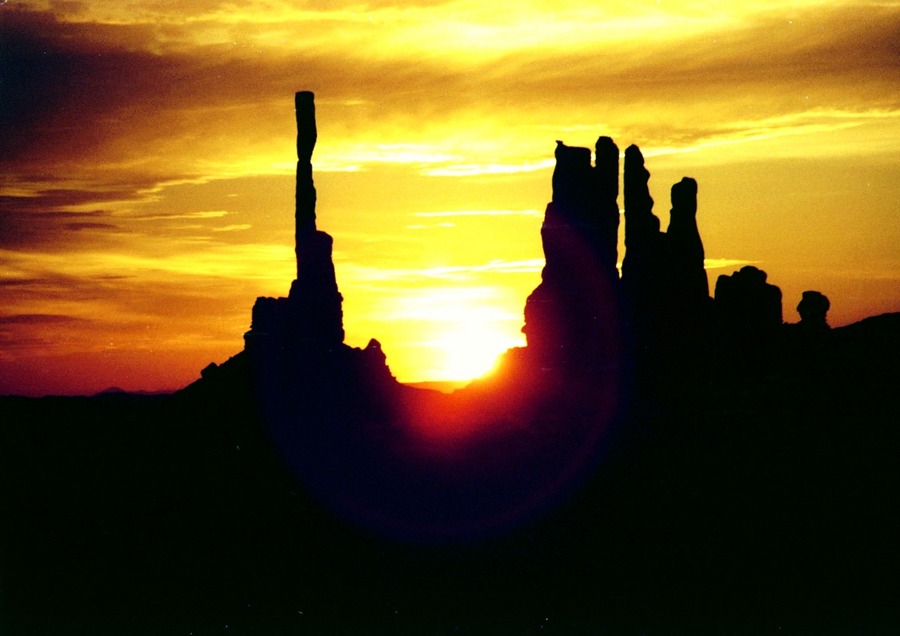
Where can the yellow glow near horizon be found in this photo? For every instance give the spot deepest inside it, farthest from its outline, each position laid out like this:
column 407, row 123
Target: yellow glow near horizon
column 469, row 350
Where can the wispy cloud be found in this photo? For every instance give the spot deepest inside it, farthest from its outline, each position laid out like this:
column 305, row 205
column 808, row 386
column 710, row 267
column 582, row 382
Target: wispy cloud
column 474, row 169
column 366, row 273
column 38, row 319
column 210, row 214
column 723, row 263
column 476, row 213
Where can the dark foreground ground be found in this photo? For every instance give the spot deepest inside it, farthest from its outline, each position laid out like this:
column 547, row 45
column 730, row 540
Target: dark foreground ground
column 761, row 501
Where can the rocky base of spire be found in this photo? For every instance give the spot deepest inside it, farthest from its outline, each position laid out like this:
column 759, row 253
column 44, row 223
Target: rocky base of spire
column 311, row 316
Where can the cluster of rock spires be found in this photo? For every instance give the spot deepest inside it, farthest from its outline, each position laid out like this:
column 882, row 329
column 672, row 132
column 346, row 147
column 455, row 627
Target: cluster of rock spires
column 582, row 309
column 605, row 351
column 582, row 306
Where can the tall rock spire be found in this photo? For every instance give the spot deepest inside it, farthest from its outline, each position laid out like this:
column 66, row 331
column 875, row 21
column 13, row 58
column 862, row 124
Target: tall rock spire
column 606, row 182
column 571, row 316
column 687, row 277
column 315, row 300
column 642, row 265
column 311, row 316
column 305, row 207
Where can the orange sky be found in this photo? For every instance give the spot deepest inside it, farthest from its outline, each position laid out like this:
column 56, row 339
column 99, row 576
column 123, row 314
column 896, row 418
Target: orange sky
column 147, row 158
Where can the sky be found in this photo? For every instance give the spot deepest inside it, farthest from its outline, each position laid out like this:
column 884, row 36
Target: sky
column 147, row 157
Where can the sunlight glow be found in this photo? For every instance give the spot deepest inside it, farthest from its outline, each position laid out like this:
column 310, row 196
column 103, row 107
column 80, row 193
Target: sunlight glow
column 470, row 350
column 461, row 331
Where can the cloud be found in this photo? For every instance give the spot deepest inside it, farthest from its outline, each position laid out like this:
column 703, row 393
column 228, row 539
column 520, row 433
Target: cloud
column 25, row 227
column 366, row 273
column 207, row 214
column 38, row 319
column 471, row 169
column 78, row 227
column 726, row 263
column 144, row 95
column 477, row 213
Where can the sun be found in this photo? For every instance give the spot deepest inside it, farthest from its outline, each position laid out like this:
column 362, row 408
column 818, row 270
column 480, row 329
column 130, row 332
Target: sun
column 470, row 350
column 454, row 334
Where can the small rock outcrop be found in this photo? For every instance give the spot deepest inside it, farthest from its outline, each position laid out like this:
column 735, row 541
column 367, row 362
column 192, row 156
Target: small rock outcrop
column 813, row 309
column 747, row 303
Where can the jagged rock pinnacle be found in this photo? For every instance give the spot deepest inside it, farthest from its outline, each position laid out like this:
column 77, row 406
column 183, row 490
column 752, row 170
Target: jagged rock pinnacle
column 305, row 212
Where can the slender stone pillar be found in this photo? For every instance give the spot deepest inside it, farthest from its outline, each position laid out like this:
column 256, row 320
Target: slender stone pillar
column 606, row 180
column 687, row 277
column 641, row 267
column 311, row 316
column 305, row 198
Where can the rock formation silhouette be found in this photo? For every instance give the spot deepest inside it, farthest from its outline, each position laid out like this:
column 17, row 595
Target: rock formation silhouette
column 311, row 315
column 303, row 379
column 582, row 311
column 747, row 304
column 663, row 272
column 613, row 476
column 643, row 267
column 686, row 282
column 813, row 310
column 575, row 307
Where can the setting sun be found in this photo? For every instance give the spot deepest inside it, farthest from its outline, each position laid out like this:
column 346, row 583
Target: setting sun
column 457, row 332
column 470, row 350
